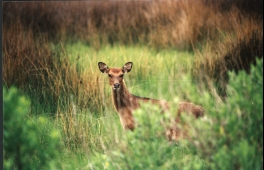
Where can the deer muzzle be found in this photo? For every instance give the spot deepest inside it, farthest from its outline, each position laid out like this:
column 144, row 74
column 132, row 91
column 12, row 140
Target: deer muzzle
column 116, row 86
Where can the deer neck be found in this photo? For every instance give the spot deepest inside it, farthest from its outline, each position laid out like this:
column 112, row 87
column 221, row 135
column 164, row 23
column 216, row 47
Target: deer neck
column 122, row 98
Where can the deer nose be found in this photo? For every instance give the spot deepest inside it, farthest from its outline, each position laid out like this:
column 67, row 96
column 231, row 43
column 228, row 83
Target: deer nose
column 116, row 86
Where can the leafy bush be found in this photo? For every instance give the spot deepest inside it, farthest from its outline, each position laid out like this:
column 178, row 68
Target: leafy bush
column 229, row 137
column 144, row 148
column 29, row 143
column 234, row 139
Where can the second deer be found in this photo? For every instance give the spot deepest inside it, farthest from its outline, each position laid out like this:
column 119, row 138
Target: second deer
column 125, row 103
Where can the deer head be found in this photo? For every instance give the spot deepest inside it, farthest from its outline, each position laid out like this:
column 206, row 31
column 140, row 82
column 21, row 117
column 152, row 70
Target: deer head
column 115, row 74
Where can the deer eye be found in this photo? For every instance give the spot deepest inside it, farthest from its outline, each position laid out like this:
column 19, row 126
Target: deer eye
column 109, row 75
column 121, row 76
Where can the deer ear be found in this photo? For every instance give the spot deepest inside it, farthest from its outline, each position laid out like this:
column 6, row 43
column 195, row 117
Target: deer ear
column 103, row 67
column 127, row 67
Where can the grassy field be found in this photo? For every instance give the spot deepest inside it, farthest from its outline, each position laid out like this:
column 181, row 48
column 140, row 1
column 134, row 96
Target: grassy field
column 205, row 52
column 155, row 74
column 149, row 66
column 94, row 138
column 94, row 128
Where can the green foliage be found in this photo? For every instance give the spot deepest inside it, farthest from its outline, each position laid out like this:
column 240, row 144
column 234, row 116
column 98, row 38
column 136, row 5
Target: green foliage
column 29, row 143
column 55, row 63
column 229, row 137
column 234, row 137
column 144, row 148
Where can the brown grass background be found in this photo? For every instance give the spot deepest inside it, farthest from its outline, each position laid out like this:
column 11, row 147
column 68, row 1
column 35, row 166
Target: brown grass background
column 224, row 35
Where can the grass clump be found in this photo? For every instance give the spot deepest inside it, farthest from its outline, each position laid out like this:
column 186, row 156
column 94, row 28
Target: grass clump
column 45, row 74
column 233, row 52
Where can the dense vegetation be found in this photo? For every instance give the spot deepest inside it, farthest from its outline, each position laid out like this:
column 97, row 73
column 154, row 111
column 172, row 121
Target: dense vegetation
column 201, row 51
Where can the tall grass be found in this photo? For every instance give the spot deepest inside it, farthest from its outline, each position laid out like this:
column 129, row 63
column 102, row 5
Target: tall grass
column 51, row 50
column 233, row 51
column 47, row 75
column 224, row 35
column 180, row 24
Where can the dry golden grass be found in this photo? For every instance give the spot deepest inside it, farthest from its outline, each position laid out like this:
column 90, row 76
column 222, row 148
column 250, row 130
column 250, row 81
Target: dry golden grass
column 179, row 24
column 234, row 51
column 48, row 77
column 224, row 35
column 55, row 86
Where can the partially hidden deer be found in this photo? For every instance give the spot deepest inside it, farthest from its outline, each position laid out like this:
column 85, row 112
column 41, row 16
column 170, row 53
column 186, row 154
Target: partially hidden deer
column 125, row 103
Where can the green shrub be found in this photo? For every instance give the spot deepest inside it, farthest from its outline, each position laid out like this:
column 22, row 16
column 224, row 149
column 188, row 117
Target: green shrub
column 144, row 148
column 29, row 143
column 230, row 137
column 234, row 138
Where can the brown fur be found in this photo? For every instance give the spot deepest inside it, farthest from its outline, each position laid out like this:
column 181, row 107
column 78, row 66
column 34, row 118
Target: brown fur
column 125, row 103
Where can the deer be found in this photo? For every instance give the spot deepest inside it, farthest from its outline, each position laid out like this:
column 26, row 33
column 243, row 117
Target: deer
column 125, row 102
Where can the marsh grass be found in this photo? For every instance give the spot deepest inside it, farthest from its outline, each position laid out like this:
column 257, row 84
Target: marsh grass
column 222, row 36
column 51, row 51
column 161, row 24
column 229, row 39
column 233, row 51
